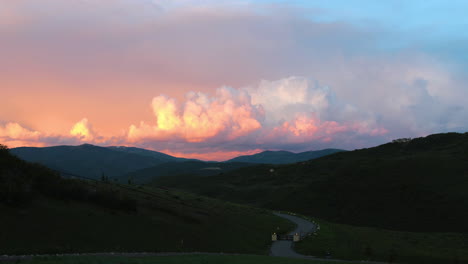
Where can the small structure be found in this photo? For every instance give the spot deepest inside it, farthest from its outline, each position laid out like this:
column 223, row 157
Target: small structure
column 274, row 237
column 296, row 237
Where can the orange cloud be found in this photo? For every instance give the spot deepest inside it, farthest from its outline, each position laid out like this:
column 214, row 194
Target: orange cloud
column 14, row 135
column 213, row 156
column 16, row 131
column 82, row 130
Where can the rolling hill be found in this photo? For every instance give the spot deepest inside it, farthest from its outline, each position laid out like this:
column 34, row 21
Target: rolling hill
column 411, row 185
column 45, row 213
column 283, row 157
column 94, row 161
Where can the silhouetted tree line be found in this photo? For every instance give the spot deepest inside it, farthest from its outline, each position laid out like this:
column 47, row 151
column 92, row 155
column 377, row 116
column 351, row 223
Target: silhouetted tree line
column 21, row 182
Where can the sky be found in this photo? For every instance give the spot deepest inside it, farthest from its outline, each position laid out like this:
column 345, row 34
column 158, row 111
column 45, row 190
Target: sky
column 216, row 79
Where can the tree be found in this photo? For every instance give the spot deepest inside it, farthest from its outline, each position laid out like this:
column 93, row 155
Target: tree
column 104, row 178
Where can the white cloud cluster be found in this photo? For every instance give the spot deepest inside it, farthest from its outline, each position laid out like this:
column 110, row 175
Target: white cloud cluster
column 15, row 135
column 227, row 116
column 292, row 113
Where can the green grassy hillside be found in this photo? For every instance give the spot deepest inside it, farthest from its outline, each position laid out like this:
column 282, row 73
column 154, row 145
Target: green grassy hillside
column 40, row 212
column 417, row 185
column 374, row 244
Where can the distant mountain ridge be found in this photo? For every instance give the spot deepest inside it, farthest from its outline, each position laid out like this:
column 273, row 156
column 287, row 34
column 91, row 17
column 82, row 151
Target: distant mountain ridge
column 283, row 157
column 148, row 153
column 142, row 165
column 94, row 161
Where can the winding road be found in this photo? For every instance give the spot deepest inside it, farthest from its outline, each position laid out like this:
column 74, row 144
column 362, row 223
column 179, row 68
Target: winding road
column 284, row 248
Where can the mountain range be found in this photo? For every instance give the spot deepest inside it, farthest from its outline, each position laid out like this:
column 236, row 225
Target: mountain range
column 142, row 165
column 93, row 161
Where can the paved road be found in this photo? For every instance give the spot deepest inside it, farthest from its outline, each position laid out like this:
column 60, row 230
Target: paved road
column 284, row 248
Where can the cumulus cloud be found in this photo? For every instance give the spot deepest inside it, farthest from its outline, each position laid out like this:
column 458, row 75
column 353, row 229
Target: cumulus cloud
column 83, row 130
column 281, row 114
column 227, row 115
column 15, row 135
column 16, row 131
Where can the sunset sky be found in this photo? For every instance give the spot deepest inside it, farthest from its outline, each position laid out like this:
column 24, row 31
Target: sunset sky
column 216, row 79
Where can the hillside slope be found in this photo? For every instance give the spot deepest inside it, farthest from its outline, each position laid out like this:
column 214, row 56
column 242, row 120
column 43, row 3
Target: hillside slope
column 196, row 168
column 283, row 157
column 417, row 185
column 45, row 213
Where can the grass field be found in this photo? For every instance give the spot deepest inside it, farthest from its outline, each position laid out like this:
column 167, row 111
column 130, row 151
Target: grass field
column 173, row 221
column 364, row 243
column 184, row 259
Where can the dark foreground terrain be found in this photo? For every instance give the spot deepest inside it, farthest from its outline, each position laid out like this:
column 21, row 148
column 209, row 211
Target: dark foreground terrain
column 41, row 212
column 415, row 185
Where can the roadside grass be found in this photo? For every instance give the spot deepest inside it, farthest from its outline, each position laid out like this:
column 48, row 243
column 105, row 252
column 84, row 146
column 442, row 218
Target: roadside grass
column 183, row 259
column 373, row 244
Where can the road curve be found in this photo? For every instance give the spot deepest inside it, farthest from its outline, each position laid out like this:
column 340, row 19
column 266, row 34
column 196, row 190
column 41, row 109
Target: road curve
column 284, row 248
